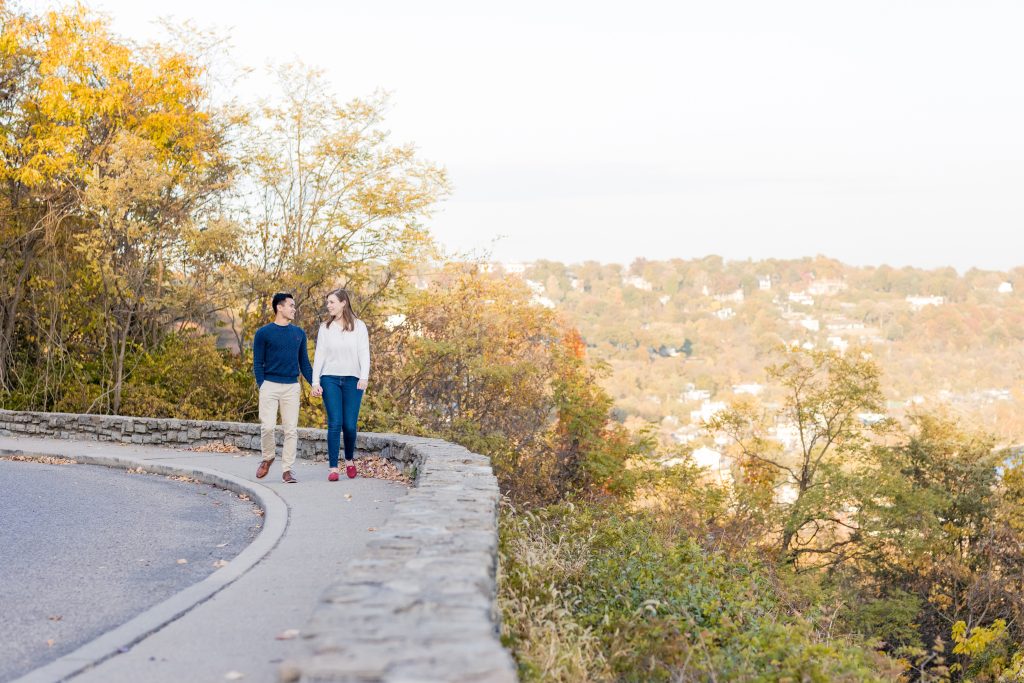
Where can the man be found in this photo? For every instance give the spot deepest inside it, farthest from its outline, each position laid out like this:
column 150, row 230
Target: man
column 278, row 354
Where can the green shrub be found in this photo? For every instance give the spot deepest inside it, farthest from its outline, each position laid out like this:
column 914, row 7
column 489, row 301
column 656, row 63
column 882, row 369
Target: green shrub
column 597, row 594
column 188, row 377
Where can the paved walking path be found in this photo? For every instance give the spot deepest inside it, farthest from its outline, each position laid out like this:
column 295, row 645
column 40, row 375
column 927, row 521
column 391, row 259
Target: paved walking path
column 63, row 526
column 311, row 532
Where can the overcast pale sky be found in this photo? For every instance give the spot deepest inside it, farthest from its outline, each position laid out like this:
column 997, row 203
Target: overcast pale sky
column 876, row 131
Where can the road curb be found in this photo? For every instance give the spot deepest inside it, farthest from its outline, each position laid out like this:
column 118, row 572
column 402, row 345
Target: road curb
column 117, row 640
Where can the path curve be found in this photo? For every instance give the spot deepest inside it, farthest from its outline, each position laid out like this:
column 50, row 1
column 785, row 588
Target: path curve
column 123, row 637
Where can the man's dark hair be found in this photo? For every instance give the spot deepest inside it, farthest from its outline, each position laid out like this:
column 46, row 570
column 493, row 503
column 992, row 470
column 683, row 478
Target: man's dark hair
column 279, row 299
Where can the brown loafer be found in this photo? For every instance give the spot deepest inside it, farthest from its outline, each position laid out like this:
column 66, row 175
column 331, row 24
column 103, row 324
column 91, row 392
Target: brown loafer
column 288, row 478
column 264, row 467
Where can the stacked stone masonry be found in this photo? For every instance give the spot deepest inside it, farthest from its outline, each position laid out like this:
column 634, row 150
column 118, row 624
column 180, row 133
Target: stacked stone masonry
column 420, row 604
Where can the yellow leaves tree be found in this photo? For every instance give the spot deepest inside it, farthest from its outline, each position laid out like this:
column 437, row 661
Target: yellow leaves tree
column 109, row 152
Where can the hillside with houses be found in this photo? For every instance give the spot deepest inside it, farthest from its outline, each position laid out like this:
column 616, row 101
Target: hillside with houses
column 682, row 338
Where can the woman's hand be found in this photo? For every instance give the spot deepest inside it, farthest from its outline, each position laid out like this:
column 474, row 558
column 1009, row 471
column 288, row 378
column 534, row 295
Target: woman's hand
column 361, row 385
column 317, row 390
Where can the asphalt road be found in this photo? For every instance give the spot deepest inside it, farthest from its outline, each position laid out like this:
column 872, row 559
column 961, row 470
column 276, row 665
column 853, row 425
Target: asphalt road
column 85, row 548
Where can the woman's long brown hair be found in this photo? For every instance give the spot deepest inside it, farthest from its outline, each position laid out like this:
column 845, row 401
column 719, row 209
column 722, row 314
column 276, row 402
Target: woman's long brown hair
column 347, row 316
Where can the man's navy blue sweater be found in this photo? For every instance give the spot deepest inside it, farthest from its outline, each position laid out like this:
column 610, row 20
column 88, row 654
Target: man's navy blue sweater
column 278, row 352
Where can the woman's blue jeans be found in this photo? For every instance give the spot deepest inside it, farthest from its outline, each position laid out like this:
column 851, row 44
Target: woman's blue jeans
column 341, row 400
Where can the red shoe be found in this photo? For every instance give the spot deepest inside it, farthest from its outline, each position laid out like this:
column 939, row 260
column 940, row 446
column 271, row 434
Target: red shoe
column 350, row 470
column 333, row 476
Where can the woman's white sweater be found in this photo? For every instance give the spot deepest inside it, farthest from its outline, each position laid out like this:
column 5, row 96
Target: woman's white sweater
column 346, row 354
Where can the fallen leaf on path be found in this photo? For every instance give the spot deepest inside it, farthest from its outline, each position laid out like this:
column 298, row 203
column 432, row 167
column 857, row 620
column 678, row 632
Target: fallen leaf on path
column 372, row 528
column 220, row 563
column 221, row 545
column 182, row 561
column 348, row 496
column 288, row 634
column 44, row 459
column 50, row 642
column 234, row 675
column 56, row 617
column 376, row 467
column 216, row 447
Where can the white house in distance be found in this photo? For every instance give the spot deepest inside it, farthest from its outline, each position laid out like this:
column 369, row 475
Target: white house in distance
column 510, row 268
column 919, row 302
column 1005, row 288
column 707, row 411
column 694, row 394
column 826, row 287
column 786, row 433
column 725, row 313
column 535, row 287
column 707, row 457
column 786, row 493
column 751, row 388
column 802, row 298
column 810, row 324
column 393, row 321
column 733, row 297
column 638, row 282
column 839, row 344
column 685, row 435
column 542, row 301
column 764, row 283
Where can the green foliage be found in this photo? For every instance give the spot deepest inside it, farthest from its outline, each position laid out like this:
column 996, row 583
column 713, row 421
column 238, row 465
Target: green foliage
column 824, row 393
column 595, row 593
column 187, row 377
column 891, row 619
column 939, row 524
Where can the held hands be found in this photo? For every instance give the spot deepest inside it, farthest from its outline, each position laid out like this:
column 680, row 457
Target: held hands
column 318, row 390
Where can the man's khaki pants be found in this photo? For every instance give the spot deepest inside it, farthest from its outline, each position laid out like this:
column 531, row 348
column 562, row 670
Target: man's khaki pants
column 274, row 395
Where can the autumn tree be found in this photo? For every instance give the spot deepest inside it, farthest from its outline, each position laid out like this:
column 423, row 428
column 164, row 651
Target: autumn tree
column 823, row 397
column 110, row 156
column 944, row 510
column 472, row 359
column 329, row 199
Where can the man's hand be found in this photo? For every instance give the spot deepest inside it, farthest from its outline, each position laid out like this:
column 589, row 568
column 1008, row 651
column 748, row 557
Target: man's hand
column 317, row 390
column 361, row 385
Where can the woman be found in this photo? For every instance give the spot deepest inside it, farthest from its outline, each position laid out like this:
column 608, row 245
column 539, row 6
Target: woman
column 341, row 368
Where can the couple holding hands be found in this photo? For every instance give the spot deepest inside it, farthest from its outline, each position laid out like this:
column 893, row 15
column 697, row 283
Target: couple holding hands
column 340, row 370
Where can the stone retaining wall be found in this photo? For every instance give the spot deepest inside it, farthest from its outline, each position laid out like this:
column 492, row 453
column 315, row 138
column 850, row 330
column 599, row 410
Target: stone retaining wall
column 156, row 431
column 420, row 604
